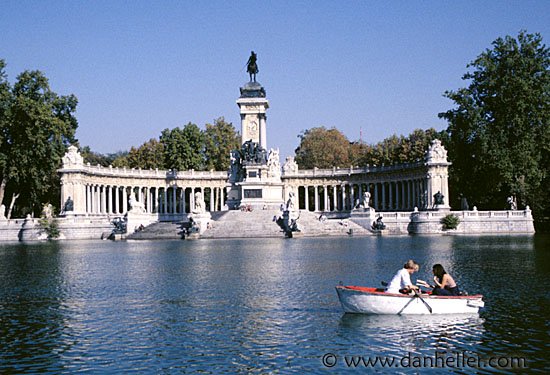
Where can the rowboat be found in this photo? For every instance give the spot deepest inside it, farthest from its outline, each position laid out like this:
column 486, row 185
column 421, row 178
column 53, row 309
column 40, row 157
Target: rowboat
column 360, row 300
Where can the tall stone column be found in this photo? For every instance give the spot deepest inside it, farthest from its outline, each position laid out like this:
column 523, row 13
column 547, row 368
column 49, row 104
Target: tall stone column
column 110, row 201
column 390, row 198
column 376, row 196
column 117, row 199
column 316, row 187
column 253, row 106
column 124, row 199
column 335, row 197
column 306, row 197
column 157, row 202
column 383, row 196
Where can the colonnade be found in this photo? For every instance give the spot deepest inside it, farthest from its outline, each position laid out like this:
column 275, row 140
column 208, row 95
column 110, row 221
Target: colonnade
column 168, row 200
column 385, row 196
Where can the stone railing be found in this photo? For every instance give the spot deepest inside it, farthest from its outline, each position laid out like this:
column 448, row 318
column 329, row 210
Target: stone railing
column 334, row 172
column 111, row 171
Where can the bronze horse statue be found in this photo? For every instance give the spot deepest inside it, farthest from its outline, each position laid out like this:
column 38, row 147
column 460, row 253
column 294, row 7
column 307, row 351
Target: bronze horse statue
column 252, row 67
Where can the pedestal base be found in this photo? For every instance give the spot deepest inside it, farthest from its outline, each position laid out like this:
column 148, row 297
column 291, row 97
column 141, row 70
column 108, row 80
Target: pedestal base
column 135, row 220
column 200, row 221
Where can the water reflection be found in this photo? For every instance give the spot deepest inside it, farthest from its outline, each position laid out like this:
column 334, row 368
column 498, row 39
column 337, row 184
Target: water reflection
column 257, row 305
column 411, row 333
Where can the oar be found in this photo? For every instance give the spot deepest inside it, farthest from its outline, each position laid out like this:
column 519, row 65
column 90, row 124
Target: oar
column 422, row 299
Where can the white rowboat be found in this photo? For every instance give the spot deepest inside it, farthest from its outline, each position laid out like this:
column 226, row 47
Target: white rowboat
column 359, row 300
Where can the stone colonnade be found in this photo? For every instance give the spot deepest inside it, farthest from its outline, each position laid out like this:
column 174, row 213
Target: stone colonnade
column 342, row 196
column 167, row 200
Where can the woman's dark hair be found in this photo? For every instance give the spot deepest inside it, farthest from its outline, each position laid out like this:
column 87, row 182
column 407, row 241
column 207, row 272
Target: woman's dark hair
column 439, row 271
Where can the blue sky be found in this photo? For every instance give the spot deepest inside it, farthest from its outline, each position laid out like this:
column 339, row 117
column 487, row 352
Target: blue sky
column 138, row 67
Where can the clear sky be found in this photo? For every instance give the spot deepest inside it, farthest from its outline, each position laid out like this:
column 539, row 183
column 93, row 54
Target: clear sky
column 138, row 67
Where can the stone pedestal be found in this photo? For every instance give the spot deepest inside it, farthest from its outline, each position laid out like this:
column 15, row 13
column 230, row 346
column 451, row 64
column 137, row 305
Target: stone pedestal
column 364, row 217
column 200, row 220
column 135, row 220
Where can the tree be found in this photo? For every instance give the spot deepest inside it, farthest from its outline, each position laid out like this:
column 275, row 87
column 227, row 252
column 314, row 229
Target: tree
column 183, row 148
column 500, row 128
column 322, row 148
column 220, row 139
column 149, row 155
column 37, row 127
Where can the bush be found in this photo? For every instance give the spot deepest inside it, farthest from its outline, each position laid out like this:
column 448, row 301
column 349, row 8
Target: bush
column 450, row 222
column 50, row 226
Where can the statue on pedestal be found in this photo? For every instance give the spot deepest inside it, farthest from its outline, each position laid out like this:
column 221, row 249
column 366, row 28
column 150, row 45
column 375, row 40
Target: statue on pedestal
column 199, row 203
column 251, row 66
column 364, row 201
column 135, row 206
column 438, row 198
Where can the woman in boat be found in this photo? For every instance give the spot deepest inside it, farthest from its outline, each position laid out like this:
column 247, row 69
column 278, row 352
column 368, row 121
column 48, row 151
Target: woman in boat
column 444, row 283
column 401, row 282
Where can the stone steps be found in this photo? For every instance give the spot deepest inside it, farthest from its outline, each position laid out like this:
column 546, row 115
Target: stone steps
column 159, row 230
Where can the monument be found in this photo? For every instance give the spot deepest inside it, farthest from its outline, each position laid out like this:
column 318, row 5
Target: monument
column 255, row 173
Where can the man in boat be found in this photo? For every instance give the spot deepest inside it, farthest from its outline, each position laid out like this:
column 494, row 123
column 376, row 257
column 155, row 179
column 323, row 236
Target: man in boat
column 401, row 282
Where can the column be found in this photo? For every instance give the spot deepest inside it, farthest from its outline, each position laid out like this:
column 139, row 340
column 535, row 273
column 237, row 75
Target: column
column 376, row 196
column 390, row 193
column 335, row 197
column 124, row 200
column 325, row 197
column 174, row 200
column 117, row 200
column 156, row 208
column 211, row 199
column 306, row 196
column 383, row 186
column 165, row 200
column 110, row 202
column 344, row 198
column 316, row 187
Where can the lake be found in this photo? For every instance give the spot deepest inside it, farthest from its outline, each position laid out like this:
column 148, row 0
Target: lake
column 267, row 306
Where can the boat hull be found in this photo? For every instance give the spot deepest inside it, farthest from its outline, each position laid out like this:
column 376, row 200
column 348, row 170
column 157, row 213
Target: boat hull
column 360, row 300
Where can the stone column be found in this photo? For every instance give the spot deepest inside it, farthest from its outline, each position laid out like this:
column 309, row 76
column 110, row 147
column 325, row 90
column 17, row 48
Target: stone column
column 383, row 185
column 192, row 198
column 117, row 200
column 325, row 197
column 376, row 196
column 263, row 131
column 124, row 199
column 222, row 197
column 157, row 202
column 174, row 200
column 165, row 201
column 306, row 197
column 390, row 198
column 110, row 201
column 316, row 197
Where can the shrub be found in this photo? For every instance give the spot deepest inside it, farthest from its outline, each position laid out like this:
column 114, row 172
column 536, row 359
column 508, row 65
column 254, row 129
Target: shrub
column 50, row 226
column 450, row 222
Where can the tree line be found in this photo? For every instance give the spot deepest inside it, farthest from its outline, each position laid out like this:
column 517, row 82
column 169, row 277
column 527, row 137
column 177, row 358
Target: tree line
column 498, row 136
column 178, row 148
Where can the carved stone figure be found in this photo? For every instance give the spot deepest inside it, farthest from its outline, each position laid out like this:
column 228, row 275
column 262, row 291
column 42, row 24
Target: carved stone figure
column 251, row 66
column 512, row 202
column 135, row 206
column 2, row 212
column 199, row 203
column 72, row 158
column 364, row 201
column 69, row 205
column 252, row 152
column 47, row 211
column 235, row 167
column 290, row 206
column 378, row 224
column 290, row 165
column 438, row 198
column 436, row 152
column 273, row 164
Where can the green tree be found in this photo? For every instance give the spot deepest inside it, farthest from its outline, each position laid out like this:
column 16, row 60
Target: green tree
column 220, row 139
column 149, row 155
column 183, row 148
column 37, row 127
column 322, row 148
column 500, row 128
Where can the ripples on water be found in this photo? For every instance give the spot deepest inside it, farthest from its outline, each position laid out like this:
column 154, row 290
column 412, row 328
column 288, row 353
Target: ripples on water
column 258, row 306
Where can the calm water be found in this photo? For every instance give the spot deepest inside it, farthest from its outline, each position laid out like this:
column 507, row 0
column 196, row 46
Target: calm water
column 261, row 306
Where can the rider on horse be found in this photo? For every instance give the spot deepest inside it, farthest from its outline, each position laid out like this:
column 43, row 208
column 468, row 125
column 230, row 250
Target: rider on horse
column 252, row 68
